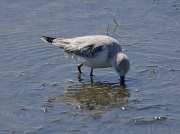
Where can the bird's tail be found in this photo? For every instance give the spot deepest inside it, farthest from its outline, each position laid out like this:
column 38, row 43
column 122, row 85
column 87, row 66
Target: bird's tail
column 60, row 42
column 47, row 39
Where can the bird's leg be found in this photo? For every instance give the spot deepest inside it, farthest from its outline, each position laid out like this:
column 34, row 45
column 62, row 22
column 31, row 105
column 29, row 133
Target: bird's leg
column 91, row 80
column 79, row 68
column 122, row 80
column 91, row 74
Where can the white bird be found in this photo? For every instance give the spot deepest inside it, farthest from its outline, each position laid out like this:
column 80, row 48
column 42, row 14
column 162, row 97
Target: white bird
column 96, row 51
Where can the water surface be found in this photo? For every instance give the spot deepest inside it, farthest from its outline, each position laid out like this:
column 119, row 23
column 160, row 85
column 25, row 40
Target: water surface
column 42, row 92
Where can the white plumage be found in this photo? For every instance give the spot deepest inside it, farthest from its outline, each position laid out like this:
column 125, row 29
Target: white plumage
column 96, row 51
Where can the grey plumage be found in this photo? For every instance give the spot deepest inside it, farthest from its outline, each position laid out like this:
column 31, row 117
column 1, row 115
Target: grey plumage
column 96, row 51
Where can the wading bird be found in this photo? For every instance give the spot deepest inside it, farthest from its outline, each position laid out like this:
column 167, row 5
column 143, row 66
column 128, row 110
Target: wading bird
column 96, row 51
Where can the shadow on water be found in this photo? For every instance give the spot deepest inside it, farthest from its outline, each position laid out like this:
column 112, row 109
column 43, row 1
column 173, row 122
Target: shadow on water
column 96, row 95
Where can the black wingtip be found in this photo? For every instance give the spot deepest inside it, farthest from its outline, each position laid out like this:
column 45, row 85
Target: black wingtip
column 47, row 39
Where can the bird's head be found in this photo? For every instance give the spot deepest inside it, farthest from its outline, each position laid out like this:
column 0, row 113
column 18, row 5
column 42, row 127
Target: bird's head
column 121, row 66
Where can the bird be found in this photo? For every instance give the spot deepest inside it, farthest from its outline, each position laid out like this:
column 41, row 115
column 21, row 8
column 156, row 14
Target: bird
column 94, row 51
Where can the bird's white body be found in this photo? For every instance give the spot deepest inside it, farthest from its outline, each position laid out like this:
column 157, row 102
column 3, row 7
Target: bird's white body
column 96, row 51
column 98, row 62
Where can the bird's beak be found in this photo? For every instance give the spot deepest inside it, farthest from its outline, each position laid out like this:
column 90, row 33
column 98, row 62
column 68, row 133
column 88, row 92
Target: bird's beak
column 122, row 80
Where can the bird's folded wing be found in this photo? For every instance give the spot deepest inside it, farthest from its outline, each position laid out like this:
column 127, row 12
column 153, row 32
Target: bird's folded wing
column 80, row 48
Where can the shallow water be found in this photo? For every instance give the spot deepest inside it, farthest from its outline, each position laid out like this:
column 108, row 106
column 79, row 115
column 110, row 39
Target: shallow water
column 41, row 91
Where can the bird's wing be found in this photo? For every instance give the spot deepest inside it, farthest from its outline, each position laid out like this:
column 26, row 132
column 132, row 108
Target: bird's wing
column 90, row 50
column 83, row 48
column 80, row 46
column 87, row 46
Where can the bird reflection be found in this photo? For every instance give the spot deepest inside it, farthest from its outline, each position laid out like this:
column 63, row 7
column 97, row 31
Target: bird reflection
column 92, row 80
column 96, row 95
column 81, row 80
column 79, row 77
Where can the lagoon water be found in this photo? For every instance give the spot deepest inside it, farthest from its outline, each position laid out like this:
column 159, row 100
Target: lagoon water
column 42, row 92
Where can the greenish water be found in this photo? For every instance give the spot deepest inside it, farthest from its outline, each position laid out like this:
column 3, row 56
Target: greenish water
column 41, row 91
